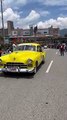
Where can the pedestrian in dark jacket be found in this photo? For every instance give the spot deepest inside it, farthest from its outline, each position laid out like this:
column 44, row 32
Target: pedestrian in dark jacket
column 0, row 52
column 61, row 49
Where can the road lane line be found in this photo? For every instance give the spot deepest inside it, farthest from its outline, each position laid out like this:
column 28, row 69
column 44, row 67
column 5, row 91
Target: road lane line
column 49, row 66
column 56, row 53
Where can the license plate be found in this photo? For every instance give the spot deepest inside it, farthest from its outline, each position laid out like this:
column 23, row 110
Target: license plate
column 13, row 69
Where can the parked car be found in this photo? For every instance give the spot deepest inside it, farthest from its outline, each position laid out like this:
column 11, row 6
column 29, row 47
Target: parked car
column 45, row 46
column 26, row 57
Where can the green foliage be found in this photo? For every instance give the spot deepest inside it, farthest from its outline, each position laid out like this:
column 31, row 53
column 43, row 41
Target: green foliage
column 1, row 38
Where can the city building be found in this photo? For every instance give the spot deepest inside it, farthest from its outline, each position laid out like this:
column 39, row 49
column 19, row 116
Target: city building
column 10, row 27
column 12, row 33
column 54, row 31
column 5, row 32
column 43, row 32
column 17, row 32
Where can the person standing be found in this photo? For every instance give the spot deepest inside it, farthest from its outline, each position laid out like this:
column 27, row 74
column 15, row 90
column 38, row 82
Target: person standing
column 61, row 49
column 0, row 52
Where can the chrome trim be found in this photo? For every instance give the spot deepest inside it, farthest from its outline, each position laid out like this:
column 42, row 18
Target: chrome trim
column 18, row 70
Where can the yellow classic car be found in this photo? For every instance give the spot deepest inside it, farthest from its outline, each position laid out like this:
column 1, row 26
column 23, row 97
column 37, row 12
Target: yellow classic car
column 26, row 57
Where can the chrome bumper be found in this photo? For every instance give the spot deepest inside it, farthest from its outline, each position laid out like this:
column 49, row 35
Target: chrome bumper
column 17, row 70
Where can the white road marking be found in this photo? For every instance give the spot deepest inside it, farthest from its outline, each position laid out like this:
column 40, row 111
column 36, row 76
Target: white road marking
column 56, row 53
column 48, row 69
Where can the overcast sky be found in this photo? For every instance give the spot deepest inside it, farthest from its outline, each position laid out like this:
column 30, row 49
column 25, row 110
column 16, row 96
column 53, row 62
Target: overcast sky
column 42, row 13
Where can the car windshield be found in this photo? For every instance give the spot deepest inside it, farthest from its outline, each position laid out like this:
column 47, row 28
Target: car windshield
column 26, row 47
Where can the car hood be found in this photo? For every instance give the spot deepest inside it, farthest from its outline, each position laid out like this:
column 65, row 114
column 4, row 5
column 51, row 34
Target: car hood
column 19, row 56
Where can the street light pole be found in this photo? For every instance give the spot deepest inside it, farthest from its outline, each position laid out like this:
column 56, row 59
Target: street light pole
column 2, row 19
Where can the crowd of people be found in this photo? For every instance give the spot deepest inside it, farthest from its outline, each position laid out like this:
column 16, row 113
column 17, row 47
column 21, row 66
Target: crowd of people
column 5, row 49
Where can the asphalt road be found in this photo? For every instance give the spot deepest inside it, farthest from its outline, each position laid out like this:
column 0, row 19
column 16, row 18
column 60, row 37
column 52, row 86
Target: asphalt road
column 39, row 97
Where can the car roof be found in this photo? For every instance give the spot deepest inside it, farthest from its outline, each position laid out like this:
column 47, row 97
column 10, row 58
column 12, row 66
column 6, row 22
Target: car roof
column 35, row 44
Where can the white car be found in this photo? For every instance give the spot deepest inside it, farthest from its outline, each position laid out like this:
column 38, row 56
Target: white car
column 45, row 46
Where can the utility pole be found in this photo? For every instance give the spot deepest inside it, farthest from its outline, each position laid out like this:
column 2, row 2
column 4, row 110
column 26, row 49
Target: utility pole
column 2, row 18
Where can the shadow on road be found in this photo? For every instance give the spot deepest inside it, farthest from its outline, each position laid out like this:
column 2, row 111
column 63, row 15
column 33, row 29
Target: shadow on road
column 17, row 75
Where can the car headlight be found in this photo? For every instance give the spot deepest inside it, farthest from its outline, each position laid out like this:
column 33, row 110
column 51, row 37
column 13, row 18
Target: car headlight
column 29, row 62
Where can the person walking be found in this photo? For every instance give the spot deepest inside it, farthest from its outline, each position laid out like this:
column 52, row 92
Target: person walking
column 61, row 50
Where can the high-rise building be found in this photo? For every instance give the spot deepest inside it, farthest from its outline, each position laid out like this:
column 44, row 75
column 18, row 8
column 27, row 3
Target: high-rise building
column 31, row 29
column 10, row 27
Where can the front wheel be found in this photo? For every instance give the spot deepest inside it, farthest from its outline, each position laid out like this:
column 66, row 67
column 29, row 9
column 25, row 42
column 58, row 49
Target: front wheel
column 35, row 68
column 43, row 61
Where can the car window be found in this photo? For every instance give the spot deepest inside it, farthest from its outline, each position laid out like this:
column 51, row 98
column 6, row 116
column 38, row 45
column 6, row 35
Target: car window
column 39, row 49
column 32, row 48
column 26, row 47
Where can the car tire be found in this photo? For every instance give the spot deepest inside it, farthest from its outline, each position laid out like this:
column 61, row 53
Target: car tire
column 35, row 69
column 5, row 73
column 43, row 61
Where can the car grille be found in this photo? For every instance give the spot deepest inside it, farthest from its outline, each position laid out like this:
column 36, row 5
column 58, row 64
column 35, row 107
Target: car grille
column 11, row 64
